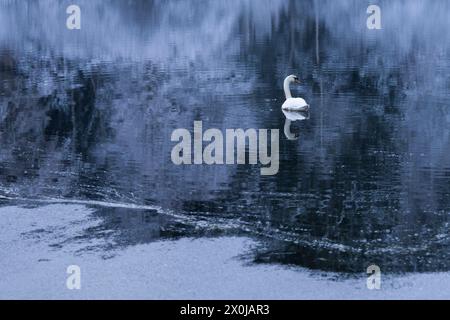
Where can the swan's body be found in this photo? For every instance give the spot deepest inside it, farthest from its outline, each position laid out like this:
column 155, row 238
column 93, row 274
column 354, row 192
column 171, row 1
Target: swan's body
column 293, row 104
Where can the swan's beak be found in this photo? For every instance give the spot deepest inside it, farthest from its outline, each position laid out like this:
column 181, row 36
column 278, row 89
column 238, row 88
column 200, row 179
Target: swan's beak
column 297, row 81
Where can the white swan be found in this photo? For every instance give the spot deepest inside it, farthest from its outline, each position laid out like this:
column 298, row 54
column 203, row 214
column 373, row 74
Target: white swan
column 293, row 104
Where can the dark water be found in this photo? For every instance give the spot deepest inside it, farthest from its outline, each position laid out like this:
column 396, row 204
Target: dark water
column 88, row 115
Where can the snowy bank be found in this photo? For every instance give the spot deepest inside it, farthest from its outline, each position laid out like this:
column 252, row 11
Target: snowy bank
column 38, row 244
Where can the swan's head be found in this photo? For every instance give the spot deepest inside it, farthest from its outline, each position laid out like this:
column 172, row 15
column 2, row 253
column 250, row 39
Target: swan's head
column 292, row 79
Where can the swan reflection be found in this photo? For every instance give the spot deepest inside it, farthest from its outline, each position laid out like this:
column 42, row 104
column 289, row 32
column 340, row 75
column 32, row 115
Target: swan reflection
column 292, row 116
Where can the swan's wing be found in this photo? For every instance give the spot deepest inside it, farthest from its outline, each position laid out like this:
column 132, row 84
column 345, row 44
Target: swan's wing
column 295, row 104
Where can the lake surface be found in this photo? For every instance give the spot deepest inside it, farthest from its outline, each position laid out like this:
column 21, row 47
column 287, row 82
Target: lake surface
column 87, row 115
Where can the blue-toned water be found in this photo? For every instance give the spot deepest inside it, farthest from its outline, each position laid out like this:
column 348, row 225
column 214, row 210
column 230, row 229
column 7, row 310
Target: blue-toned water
column 87, row 115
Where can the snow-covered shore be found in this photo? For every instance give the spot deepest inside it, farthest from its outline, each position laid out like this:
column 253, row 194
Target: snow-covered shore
column 38, row 244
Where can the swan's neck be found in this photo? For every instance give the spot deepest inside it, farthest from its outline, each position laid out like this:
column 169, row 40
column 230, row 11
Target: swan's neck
column 287, row 90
